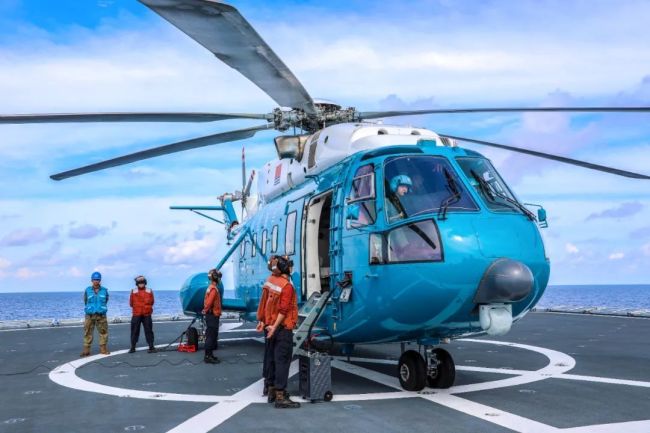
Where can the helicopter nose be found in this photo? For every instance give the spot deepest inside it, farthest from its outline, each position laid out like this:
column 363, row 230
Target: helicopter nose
column 505, row 280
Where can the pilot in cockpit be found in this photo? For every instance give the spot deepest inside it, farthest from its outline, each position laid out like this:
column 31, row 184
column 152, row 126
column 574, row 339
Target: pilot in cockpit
column 400, row 186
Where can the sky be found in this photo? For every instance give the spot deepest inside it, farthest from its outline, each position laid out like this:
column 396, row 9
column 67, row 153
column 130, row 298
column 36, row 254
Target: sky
column 116, row 55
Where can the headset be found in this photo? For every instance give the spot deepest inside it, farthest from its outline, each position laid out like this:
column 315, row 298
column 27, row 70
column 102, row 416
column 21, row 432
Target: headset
column 284, row 265
column 140, row 279
column 214, row 275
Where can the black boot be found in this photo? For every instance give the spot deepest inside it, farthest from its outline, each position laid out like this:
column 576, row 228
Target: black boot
column 265, row 390
column 132, row 349
column 211, row 360
column 282, row 401
column 271, row 394
column 152, row 350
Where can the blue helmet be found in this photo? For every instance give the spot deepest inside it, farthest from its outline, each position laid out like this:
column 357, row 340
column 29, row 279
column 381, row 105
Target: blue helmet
column 96, row 276
column 398, row 180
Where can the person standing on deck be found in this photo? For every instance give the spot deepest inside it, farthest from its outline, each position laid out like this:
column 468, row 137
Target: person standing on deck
column 95, row 301
column 267, row 365
column 141, row 301
column 212, row 313
column 281, row 314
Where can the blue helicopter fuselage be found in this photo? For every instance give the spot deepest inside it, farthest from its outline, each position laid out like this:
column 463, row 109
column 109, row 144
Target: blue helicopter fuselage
column 409, row 268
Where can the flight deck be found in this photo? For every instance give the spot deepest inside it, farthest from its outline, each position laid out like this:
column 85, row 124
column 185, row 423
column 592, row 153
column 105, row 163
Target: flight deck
column 553, row 372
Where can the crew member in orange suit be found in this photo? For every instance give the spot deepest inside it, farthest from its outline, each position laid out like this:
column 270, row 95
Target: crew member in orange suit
column 281, row 316
column 261, row 325
column 141, row 301
column 212, row 313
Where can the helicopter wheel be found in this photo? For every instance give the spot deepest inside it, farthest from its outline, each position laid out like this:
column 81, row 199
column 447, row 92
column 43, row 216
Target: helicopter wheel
column 412, row 371
column 443, row 373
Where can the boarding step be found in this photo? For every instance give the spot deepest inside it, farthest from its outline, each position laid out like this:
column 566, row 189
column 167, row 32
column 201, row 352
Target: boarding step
column 309, row 312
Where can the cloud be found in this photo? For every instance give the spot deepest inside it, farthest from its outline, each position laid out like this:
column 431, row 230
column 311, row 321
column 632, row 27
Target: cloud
column 74, row 271
column 4, row 263
column 140, row 172
column 28, row 236
column 186, row 252
column 89, row 231
column 616, row 256
column 640, row 233
column 571, row 248
column 622, row 211
column 26, row 273
column 645, row 249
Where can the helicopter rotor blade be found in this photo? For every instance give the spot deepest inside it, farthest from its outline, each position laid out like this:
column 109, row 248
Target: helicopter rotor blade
column 124, row 117
column 552, row 157
column 209, row 140
column 394, row 113
column 221, row 29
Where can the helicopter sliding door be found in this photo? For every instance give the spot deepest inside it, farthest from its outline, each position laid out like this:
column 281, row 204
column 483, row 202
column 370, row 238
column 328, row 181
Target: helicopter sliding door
column 317, row 245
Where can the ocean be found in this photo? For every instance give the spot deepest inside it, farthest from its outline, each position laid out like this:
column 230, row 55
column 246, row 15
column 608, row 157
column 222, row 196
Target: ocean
column 69, row 305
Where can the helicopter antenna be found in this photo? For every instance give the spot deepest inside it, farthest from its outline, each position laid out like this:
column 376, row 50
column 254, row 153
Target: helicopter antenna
column 243, row 181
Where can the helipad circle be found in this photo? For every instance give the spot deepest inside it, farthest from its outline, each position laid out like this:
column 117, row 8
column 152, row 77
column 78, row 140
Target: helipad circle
column 559, row 363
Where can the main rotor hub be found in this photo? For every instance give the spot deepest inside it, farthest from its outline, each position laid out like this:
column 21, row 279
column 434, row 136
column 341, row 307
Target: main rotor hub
column 327, row 113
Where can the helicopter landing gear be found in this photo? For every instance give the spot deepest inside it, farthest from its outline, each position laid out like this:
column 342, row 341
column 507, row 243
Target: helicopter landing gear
column 437, row 371
column 441, row 370
column 412, row 371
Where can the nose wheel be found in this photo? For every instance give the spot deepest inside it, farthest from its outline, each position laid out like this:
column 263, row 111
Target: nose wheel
column 436, row 371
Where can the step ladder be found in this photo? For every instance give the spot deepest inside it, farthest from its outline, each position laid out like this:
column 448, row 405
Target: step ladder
column 309, row 312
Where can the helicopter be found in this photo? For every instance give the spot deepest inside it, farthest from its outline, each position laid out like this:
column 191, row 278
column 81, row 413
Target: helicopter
column 401, row 234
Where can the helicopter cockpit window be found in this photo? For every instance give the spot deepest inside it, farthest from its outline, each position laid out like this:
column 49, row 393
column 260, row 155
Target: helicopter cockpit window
column 418, row 185
column 414, row 242
column 290, row 234
column 361, row 198
column 484, row 177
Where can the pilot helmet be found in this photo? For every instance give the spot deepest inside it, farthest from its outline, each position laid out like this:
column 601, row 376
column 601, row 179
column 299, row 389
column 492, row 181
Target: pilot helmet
column 140, row 279
column 398, row 180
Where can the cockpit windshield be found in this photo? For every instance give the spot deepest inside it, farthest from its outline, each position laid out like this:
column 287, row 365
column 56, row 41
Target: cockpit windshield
column 484, row 177
column 417, row 185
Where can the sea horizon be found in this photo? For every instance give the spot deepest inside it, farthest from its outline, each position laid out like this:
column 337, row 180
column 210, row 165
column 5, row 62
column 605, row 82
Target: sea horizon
column 60, row 305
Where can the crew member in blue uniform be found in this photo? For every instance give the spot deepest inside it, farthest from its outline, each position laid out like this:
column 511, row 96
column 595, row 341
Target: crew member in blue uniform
column 96, row 306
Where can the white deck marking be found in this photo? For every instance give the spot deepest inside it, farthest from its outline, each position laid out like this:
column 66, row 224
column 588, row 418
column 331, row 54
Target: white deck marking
column 604, row 380
column 65, row 375
column 627, row 427
column 221, row 412
column 228, row 406
column 490, row 414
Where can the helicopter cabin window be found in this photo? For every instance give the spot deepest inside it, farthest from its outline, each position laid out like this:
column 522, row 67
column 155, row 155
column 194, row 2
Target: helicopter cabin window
column 274, row 239
column 361, row 199
column 311, row 159
column 416, row 185
column 242, row 249
column 254, row 246
column 376, row 249
column 290, row 234
column 489, row 185
column 246, row 247
column 264, row 240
